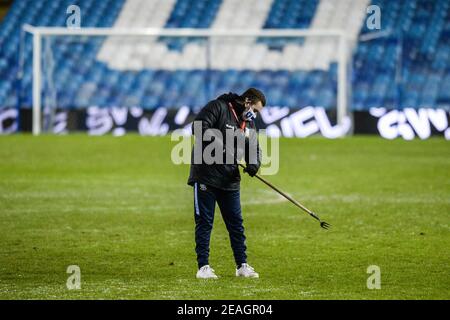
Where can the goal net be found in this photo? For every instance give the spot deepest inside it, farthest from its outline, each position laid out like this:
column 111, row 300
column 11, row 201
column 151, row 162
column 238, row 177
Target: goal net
column 148, row 69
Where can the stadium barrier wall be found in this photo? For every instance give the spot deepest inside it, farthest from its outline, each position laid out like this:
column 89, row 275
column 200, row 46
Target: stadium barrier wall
column 277, row 121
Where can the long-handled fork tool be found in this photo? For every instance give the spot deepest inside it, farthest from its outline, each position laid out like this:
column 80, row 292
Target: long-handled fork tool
column 323, row 224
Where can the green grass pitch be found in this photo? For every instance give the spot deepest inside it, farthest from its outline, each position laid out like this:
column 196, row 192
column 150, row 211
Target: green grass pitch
column 120, row 210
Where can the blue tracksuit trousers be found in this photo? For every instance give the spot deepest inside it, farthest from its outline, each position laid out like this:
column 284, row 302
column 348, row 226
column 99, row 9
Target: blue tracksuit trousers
column 205, row 198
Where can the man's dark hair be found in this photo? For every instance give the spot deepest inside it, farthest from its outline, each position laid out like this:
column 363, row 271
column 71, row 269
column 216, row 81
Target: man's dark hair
column 254, row 95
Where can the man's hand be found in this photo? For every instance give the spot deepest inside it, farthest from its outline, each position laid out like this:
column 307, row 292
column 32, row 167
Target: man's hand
column 251, row 169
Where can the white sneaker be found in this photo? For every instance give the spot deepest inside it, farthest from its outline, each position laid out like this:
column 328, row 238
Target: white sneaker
column 206, row 272
column 246, row 271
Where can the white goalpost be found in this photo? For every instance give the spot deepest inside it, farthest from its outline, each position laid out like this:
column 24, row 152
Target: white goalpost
column 39, row 33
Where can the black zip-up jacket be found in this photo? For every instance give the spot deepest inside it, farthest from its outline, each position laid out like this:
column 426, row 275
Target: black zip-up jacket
column 217, row 114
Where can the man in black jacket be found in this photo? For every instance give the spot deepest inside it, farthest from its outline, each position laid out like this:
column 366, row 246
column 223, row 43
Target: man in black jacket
column 217, row 178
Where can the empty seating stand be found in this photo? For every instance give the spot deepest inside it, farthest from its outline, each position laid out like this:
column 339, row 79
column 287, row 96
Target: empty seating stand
column 82, row 79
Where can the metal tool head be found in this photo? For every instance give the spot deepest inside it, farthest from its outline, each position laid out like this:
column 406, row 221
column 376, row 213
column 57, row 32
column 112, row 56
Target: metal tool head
column 325, row 225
